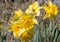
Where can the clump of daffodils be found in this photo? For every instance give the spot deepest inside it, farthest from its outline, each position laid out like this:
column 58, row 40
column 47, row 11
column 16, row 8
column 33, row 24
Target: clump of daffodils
column 22, row 23
column 23, row 27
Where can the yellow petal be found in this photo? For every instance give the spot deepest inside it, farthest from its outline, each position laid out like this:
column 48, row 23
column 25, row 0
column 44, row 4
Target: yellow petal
column 50, row 3
column 34, row 5
column 21, row 31
column 35, row 21
column 29, row 11
column 46, row 16
column 26, row 36
column 17, row 14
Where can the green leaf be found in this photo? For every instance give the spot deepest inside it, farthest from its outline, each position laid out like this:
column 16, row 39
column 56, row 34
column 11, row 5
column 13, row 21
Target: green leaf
column 37, row 36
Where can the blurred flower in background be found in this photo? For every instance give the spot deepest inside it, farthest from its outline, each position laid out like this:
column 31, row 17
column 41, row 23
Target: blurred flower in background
column 51, row 10
column 34, row 8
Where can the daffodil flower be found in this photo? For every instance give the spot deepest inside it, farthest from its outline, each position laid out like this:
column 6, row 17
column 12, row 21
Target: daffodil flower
column 34, row 8
column 51, row 10
column 24, row 26
column 22, row 23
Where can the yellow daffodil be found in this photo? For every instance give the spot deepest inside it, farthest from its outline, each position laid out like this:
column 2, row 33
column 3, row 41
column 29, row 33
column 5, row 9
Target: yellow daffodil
column 51, row 10
column 34, row 8
column 23, row 26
